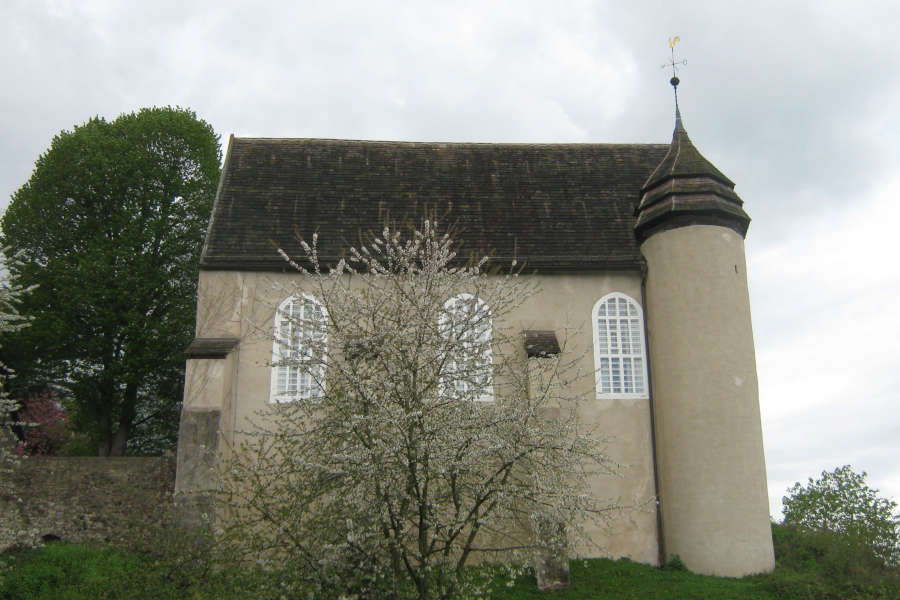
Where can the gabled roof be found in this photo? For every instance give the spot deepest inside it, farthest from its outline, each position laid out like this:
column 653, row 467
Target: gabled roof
column 549, row 206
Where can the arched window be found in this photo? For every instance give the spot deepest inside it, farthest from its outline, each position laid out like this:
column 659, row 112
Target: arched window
column 620, row 355
column 298, row 352
column 467, row 372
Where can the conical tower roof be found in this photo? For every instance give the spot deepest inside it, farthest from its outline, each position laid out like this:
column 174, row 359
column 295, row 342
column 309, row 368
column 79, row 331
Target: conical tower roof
column 687, row 189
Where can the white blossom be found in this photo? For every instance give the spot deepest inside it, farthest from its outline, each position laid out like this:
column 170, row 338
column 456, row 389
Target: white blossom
column 405, row 470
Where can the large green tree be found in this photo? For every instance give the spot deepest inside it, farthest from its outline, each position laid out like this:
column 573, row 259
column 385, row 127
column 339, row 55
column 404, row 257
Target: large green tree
column 110, row 227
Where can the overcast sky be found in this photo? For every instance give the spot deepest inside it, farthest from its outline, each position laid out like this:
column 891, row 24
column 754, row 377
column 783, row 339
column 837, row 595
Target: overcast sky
column 798, row 103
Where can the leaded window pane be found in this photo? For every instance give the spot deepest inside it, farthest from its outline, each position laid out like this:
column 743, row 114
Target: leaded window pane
column 299, row 350
column 619, row 346
column 467, row 371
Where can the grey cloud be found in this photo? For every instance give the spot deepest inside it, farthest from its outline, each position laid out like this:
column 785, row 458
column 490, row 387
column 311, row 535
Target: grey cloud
column 794, row 101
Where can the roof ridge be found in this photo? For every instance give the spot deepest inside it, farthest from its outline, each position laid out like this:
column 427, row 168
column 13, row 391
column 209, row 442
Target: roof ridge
column 445, row 143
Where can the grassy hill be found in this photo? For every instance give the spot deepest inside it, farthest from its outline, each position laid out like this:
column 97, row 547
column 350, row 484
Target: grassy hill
column 809, row 567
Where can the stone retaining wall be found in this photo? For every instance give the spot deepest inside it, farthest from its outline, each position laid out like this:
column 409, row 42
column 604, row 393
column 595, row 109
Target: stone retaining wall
column 83, row 499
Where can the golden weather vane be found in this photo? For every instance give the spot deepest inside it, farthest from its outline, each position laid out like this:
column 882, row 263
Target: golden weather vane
column 674, row 64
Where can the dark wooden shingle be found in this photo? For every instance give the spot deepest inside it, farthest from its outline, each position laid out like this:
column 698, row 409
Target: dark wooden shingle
column 541, row 343
column 211, row 347
column 548, row 206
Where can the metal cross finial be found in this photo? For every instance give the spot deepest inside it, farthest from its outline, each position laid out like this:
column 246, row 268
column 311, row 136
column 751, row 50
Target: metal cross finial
column 674, row 64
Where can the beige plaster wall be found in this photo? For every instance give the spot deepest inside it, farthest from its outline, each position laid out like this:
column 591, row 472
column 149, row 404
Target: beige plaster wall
column 712, row 472
column 564, row 305
column 242, row 305
column 204, row 383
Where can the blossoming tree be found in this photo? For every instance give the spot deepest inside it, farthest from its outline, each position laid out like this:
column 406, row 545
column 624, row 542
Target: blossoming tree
column 417, row 437
column 10, row 320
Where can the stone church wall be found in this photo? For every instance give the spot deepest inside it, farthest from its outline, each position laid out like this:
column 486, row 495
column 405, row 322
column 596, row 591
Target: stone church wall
column 83, row 499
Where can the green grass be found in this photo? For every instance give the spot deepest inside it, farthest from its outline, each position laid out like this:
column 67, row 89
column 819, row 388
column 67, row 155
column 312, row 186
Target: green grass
column 60, row 571
column 624, row 580
column 809, row 568
column 69, row 572
column 64, row 572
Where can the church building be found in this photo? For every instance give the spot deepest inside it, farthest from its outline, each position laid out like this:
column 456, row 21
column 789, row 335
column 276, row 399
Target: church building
column 640, row 247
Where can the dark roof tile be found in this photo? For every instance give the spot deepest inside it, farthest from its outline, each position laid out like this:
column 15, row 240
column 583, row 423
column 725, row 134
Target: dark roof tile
column 550, row 206
column 686, row 189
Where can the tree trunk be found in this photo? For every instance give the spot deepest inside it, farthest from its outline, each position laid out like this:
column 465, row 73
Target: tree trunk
column 103, row 404
column 126, row 419
column 105, row 435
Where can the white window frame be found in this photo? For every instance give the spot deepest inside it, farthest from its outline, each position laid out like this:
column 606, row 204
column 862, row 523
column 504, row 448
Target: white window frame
column 619, row 363
column 292, row 382
column 477, row 346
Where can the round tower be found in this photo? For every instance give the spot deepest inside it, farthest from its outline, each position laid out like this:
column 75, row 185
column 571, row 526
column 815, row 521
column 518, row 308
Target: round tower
column 709, row 453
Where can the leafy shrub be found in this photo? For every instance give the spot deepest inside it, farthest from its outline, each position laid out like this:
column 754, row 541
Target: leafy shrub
column 46, row 428
column 848, row 518
column 825, row 564
column 675, row 564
